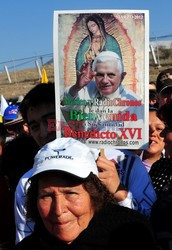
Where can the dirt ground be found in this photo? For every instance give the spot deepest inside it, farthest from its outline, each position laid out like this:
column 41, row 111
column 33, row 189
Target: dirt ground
column 24, row 80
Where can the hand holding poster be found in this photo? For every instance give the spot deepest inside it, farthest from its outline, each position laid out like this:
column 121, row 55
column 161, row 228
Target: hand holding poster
column 101, row 76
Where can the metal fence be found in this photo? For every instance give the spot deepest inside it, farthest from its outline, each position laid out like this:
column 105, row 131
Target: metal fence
column 25, row 69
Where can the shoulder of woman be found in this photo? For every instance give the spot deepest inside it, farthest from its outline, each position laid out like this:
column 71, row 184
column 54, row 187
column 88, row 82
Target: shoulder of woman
column 27, row 243
column 118, row 215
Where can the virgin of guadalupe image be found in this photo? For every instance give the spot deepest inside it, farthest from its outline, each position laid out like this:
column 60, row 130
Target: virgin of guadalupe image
column 97, row 40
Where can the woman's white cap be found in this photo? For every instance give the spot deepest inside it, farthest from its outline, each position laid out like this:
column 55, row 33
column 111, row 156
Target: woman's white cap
column 67, row 155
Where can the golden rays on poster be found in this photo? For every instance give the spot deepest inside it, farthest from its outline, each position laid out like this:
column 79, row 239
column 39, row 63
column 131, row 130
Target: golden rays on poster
column 113, row 27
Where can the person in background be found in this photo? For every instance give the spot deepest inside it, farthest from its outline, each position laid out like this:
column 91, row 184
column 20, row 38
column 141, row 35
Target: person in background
column 161, row 171
column 12, row 152
column 125, row 176
column 37, row 107
column 14, row 123
column 165, row 115
column 156, row 140
column 17, row 158
column 161, row 174
column 152, row 85
column 153, row 98
column 71, row 207
column 164, row 86
column 10, row 114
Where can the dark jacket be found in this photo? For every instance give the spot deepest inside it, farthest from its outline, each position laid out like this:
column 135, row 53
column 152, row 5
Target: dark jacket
column 113, row 228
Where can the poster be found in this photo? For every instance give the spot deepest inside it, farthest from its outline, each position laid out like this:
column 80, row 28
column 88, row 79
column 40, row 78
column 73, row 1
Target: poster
column 101, row 67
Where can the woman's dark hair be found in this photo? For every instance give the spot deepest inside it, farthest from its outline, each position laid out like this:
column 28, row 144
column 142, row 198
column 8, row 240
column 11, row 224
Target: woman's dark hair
column 99, row 195
column 164, row 114
column 40, row 94
column 99, row 21
column 153, row 97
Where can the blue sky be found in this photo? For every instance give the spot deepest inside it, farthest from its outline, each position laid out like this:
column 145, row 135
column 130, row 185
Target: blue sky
column 27, row 25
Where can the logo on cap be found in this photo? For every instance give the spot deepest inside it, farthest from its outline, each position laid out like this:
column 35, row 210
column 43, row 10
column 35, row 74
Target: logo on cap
column 59, row 156
column 58, row 150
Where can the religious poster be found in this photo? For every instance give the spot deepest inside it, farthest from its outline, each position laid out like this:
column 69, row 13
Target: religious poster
column 101, row 67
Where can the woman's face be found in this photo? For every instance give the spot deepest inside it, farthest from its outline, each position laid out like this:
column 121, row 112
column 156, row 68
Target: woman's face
column 93, row 27
column 65, row 208
column 156, row 141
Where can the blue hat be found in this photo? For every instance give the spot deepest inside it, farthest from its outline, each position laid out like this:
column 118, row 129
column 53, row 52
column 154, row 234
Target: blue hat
column 11, row 112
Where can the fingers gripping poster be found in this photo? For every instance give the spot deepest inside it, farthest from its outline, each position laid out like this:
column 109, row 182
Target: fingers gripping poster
column 101, row 77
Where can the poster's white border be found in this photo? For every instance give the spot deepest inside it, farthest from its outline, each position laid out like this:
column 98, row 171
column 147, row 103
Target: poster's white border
column 56, row 72
column 146, row 71
column 99, row 11
column 146, row 89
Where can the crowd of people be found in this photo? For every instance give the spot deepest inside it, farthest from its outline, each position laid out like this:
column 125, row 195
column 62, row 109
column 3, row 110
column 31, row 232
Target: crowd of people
column 57, row 193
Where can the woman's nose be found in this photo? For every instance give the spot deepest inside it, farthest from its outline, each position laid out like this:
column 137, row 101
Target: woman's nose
column 152, row 130
column 58, row 205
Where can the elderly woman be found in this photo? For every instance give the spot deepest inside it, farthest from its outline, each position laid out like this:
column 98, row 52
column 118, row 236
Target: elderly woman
column 72, row 209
